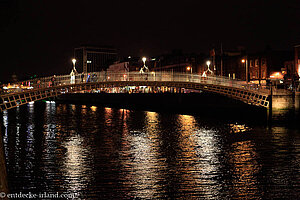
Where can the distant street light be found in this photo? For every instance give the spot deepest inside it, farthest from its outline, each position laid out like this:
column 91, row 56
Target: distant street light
column 246, row 68
column 188, row 68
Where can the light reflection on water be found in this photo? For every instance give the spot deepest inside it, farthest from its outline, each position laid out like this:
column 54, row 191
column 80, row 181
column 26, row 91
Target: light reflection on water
column 243, row 158
column 75, row 165
column 107, row 153
column 141, row 160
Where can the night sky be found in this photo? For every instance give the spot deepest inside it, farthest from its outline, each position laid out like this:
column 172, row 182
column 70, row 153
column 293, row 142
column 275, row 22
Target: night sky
column 39, row 36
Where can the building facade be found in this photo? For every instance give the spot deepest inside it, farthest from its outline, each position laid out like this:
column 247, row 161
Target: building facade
column 177, row 61
column 255, row 67
column 232, row 65
column 269, row 65
column 91, row 59
column 296, row 69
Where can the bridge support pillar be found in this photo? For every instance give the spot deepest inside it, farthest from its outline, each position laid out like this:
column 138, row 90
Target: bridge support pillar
column 3, row 175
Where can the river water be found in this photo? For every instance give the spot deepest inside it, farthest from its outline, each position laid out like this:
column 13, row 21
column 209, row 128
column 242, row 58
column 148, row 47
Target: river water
column 108, row 153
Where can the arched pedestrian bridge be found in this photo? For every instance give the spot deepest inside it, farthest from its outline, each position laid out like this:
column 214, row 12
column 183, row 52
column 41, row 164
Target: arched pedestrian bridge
column 42, row 88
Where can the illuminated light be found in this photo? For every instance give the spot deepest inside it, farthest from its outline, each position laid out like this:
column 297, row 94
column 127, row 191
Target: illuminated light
column 153, row 59
column 74, row 61
column 88, row 61
column 108, row 109
column 32, row 102
column 94, row 108
column 124, row 75
column 208, row 62
column 50, row 101
column 276, row 75
column 125, row 110
column 243, row 60
column 144, row 59
column 108, row 77
column 188, row 68
column 129, row 57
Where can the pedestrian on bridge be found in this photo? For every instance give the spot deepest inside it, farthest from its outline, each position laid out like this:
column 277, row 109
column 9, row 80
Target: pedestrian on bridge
column 53, row 80
column 82, row 77
column 72, row 74
column 88, row 78
column 38, row 83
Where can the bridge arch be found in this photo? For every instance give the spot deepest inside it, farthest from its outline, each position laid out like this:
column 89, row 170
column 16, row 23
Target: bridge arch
column 12, row 100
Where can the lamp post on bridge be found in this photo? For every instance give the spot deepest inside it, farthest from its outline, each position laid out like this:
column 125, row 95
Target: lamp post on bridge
column 144, row 60
column 144, row 68
column 208, row 69
column 74, row 62
column 208, row 63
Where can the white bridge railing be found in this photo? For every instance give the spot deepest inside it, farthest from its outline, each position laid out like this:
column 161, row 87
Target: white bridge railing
column 105, row 76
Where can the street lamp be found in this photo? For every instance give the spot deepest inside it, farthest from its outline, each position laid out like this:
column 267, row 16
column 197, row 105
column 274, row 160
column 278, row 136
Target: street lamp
column 208, row 63
column 208, row 69
column 74, row 61
column 144, row 68
column 188, row 68
column 246, row 68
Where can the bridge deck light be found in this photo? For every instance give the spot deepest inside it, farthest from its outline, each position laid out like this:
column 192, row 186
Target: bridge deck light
column 243, row 60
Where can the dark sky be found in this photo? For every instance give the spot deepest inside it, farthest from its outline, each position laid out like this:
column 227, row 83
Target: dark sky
column 39, row 36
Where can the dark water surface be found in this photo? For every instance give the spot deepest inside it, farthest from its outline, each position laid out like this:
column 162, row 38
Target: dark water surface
column 107, row 153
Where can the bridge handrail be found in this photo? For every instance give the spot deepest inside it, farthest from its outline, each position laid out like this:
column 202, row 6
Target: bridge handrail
column 106, row 76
